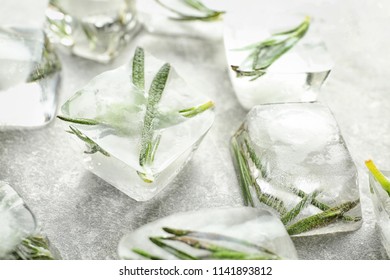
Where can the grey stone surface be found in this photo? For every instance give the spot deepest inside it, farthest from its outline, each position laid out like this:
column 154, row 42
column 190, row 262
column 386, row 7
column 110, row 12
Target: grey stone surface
column 85, row 218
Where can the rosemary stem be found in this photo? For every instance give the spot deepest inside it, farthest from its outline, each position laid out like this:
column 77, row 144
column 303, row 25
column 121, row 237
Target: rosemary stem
column 378, row 175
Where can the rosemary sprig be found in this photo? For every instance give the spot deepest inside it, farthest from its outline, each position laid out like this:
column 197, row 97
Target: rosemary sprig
column 207, row 250
column 93, row 146
column 243, row 152
column 218, row 252
column 33, row 248
column 265, row 53
column 321, row 219
column 247, row 181
column 217, row 237
column 207, row 13
column 49, row 64
column 379, row 176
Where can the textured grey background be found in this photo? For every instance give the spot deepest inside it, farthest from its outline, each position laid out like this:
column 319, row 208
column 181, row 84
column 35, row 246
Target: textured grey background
column 85, row 217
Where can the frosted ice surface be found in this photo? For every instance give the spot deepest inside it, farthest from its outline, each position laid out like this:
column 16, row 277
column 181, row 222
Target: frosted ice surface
column 299, row 145
column 257, row 226
column 113, row 99
column 16, row 220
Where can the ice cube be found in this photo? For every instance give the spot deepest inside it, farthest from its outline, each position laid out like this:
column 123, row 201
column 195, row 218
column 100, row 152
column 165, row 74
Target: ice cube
column 93, row 29
column 19, row 237
column 127, row 127
column 381, row 200
column 296, row 76
column 293, row 158
column 254, row 232
column 29, row 78
column 17, row 222
column 159, row 19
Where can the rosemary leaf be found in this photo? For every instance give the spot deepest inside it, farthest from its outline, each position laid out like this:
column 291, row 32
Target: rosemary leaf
column 79, row 120
column 146, row 255
column 265, row 53
column 94, row 147
column 218, row 252
column 139, row 69
column 207, row 13
column 155, row 93
column 321, row 219
column 378, row 175
column 242, row 172
column 172, row 250
column 193, row 111
column 217, row 237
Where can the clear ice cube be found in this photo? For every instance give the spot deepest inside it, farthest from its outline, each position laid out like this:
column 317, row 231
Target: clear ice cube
column 381, row 200
column 157, row 19
column 93, row 29
column 293, row 158
column 254, row 232
column 120, row 108
column 29, row 78
column 17, row 222
column 20, row 238
column 296, row 76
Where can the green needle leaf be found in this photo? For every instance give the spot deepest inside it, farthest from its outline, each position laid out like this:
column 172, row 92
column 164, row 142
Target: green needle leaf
column 156, row 90
column 139, row 68
column 208, row 14
column 172, row 250
column 146, row 255
column 79, row 120
column 242, row 171
column 217, row 237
